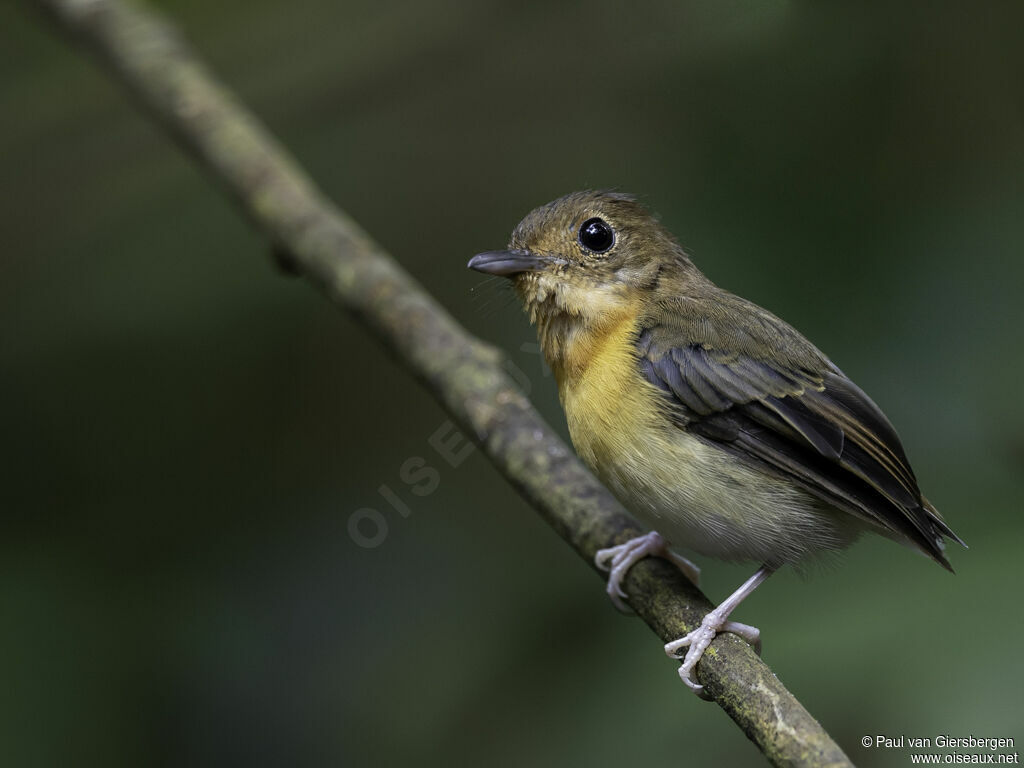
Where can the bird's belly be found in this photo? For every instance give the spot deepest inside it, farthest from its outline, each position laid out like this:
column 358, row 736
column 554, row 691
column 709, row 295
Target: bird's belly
column 698, row 496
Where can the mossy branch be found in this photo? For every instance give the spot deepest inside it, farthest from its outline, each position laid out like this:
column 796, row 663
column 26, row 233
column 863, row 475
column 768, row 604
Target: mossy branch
column 467, row 376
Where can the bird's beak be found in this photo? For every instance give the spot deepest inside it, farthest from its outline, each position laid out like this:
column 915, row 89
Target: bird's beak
column 509, row 263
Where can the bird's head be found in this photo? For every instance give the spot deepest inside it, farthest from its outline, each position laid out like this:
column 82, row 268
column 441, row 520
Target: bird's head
column 587, row 256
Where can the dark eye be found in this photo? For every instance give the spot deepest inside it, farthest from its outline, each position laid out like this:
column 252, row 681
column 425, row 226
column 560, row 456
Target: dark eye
column 596, row 235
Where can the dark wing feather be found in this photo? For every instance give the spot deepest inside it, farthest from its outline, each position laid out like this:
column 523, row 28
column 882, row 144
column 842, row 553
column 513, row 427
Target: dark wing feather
column 799, row 416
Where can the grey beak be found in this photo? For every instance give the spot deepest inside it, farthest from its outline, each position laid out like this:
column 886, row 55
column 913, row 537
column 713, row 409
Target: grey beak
column 508, row 263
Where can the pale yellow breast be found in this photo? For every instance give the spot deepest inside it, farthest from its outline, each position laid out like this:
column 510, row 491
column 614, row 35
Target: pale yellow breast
column 693, row 493
column 616, row 419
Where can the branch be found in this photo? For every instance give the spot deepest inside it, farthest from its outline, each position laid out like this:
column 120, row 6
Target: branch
column 465, row 375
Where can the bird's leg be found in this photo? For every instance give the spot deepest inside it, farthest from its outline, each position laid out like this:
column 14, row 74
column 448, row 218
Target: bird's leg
column 618, row 560
column 716, row 621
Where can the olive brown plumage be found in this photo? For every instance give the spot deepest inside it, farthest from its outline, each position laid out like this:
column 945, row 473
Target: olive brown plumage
column 712, row 420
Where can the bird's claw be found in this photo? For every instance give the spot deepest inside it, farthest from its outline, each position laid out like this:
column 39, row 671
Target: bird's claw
column 618, row 560
column 697, row 642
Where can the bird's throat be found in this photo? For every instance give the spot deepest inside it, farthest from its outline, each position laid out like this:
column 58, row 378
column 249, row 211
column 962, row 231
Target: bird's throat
column 575, row 346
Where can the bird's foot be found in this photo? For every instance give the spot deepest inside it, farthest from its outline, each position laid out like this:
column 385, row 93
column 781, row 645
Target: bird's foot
column 697, row 642
column 618, row 560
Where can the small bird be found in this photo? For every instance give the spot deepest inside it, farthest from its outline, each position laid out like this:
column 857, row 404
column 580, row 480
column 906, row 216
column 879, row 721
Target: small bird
column 713, row 421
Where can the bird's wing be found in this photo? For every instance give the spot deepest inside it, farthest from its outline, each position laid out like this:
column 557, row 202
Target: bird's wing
column 784, row 405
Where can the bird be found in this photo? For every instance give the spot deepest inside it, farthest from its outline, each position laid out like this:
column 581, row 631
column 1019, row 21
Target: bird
column 715, row 423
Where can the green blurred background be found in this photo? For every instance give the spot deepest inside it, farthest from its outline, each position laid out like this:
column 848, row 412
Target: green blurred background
column 185, row 433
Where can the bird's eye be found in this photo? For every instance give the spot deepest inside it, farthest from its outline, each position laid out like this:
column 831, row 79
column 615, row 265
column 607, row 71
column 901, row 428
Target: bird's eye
column 596, row 235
